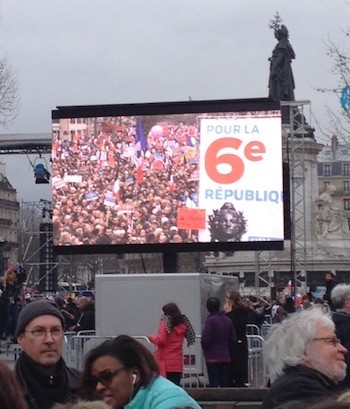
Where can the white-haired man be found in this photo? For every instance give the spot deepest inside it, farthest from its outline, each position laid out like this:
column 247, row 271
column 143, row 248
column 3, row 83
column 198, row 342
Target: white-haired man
column 304, row 358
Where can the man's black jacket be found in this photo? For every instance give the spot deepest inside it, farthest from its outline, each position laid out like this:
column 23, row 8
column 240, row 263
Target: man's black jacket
column 299, row 384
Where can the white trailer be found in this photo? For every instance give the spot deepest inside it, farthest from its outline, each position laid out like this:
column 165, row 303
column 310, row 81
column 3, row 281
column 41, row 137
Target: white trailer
column 132, row 303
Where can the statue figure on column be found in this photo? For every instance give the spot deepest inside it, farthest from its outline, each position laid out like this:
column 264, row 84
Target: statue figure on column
column 330, row 219
column 281, row 80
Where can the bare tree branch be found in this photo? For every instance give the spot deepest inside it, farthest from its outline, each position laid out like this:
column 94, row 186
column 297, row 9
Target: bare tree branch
column 339, row 121
column 8, row 92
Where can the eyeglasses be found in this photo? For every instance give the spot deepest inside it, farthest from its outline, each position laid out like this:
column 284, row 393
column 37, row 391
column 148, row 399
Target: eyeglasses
column 331, row 340
column 106, row 377
column 41, row 333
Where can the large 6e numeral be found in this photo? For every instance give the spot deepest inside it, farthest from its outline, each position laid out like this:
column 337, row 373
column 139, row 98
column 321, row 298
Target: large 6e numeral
column 252, row 151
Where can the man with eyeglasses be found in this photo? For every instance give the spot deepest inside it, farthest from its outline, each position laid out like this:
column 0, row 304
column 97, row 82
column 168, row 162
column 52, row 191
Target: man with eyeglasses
column 41, row 370
column 304, row 358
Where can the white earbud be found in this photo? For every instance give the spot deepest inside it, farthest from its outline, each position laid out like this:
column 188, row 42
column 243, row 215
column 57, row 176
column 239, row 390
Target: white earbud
column 134, row 376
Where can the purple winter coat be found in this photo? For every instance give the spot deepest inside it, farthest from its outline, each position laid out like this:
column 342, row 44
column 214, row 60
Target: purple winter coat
column 217, row 334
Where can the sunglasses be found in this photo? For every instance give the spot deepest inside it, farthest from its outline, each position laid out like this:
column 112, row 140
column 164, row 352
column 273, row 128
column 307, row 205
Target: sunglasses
column 106, row 377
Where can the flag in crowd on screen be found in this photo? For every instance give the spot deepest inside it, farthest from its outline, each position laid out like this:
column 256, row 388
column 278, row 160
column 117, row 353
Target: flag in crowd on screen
column 140, row 147
column 171, row 182
column 141, row 140
column 116, row 189
column 91, row 196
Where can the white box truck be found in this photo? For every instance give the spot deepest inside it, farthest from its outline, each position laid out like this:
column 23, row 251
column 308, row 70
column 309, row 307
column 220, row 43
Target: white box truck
column 132, row 303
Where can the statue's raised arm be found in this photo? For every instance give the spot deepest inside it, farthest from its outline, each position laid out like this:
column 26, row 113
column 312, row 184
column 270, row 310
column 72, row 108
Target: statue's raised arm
column 281, row 80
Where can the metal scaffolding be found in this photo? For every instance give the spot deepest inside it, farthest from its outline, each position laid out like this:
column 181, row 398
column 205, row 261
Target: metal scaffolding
column 294, row 131
column 299, row 130
column 34, row 215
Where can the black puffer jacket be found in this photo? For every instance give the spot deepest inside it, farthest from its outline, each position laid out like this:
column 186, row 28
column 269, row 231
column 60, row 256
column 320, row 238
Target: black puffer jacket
column 299, row 384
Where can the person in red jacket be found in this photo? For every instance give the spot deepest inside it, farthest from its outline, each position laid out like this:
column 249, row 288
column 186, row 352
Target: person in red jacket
column 173, row 328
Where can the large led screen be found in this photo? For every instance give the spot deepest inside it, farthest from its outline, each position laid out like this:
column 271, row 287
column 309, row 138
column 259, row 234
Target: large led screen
column 161, row 177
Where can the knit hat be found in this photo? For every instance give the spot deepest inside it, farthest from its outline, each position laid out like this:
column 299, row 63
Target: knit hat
column 36, row 309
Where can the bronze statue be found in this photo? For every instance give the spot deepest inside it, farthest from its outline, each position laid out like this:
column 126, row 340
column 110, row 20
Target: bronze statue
column 281, row 81
column 227, row 224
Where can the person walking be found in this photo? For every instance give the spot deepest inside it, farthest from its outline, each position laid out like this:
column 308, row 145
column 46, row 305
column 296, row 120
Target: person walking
column 240, row 317
column 174, row 327
column 217, row 334
column 10, row 302
column 330, row 283
column 86, row 321
column 278, row 311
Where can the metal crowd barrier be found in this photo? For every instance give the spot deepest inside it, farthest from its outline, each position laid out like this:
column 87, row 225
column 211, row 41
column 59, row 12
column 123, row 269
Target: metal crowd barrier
column 264, row 330
column 195, row 372
column 13, row 351
column 78, row 345
column 257, row 376
column 252, row 329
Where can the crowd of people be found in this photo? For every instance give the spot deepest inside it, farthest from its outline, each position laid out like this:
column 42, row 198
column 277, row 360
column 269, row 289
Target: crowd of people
column 120, row 372
column 307, row 350
column 306, row 355
column 100, row 194
column 79, row 313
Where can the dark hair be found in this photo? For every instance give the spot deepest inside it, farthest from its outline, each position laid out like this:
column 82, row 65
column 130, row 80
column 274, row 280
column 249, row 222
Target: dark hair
column 289, row 305
column 59, row 301
column 213, row 304
column 131, row 353
column 11, row 395
column 174, row 313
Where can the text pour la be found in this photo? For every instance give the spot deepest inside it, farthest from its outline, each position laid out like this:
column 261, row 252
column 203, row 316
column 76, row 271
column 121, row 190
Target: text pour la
column 232, row 129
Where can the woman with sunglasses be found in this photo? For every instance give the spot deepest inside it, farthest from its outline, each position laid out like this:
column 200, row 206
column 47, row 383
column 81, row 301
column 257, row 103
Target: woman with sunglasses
column 123, row 373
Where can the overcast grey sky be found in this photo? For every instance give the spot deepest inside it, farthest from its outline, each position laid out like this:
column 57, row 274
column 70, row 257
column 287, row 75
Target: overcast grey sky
column 78, row 52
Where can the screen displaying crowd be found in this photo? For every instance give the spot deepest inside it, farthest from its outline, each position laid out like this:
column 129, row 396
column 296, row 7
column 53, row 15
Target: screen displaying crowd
column 167, row 178
column 121, row 181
